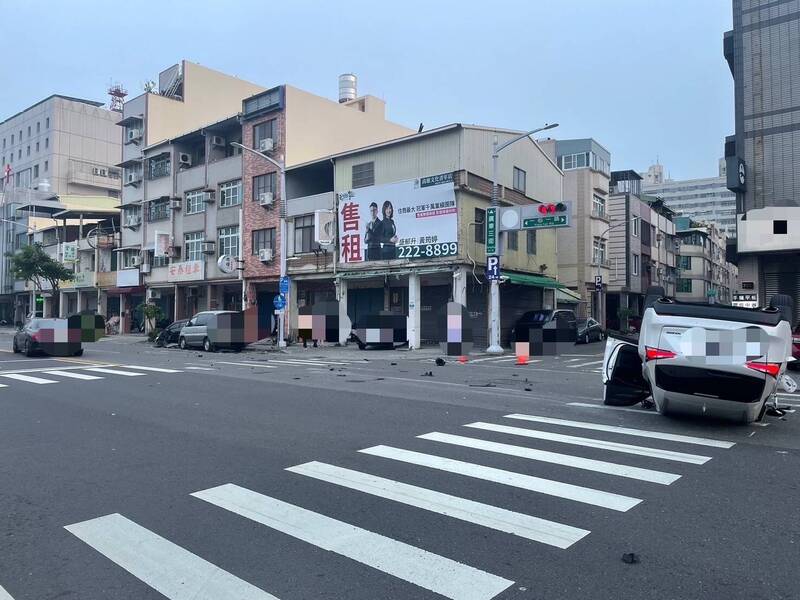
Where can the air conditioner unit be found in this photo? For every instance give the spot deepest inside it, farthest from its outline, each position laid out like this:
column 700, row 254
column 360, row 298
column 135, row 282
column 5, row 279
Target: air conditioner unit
column 145, row 268
column 208, row 247
column 184, row 159
column 266, row 145
column 265, row 255
column 218, row 140
column 133, row 222
column 133, row 178
column 136, row 261
column 176, row 204
column 134, row 135
column 152, row 294
column 266, row 198
column 209, row 196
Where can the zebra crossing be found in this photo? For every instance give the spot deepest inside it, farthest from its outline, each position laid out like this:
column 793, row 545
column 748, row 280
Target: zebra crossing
column 88, row 372
column 178, row 574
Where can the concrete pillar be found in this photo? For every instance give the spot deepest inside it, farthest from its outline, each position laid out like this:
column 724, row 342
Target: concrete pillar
column 344, row 320
column 79, row 303
column 292, row 308
column 102, row 303
column 211, row 296
column 124, row 319
column 62, row 305
column 460, row 277
column 179, row 303
column 414, row 312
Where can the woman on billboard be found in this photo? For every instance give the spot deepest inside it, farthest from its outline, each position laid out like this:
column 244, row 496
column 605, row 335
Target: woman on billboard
column 389, row 232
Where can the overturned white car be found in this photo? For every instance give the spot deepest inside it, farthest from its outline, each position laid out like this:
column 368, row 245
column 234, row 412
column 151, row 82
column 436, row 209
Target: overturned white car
column 701, row 359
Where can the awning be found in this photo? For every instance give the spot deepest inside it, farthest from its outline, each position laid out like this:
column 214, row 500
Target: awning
column 391, row 272
column 131, row 162
column 130, row 120
column 568, row 296
column 122, row 291
column 534, row 280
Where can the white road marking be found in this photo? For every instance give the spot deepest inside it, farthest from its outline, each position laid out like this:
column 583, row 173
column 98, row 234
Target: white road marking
column 27, row 378
column 594, row 362
column 27, row 360
column 641, row 411
column 4, row 595
column 659, row 435
column 487, row 358
column 199, row 369
column 526, row 526
column 571, row 360
column 694, row 459
column 113, row 372
column 425, row 569
column 73, row 375
column 519, row 480
column 244, row 364
column 305, row 362
column 567, row 460
column 166, row 567
column 154, row 369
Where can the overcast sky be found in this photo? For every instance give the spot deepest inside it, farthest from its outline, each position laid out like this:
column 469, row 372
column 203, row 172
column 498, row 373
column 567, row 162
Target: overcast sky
column 646, row 78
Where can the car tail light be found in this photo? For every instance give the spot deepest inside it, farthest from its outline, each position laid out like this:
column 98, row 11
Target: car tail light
column 768, row 368
column 656, row 353
column 35, row 337
column 796, row 340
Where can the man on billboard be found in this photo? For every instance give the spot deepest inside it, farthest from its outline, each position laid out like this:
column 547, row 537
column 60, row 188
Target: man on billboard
column 373, row 234
column 389, row 233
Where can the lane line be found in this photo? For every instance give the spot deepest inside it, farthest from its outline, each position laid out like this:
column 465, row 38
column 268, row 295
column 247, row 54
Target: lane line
column 571, row 360
column 694, row 459
column 305, row 363
column 72, row 375
column 4, row 595
column 27, row 378
column 659, row 435
column 200, row 369
column 566, row 460
column 525, row 526
column 113, row 372
column 641, row 411
column 420, row 567
column 28, row 360
column 154, row 369
column 244, row 364
column 594, row 362
column 526, row 482
column 46, row 369
column 168, row 568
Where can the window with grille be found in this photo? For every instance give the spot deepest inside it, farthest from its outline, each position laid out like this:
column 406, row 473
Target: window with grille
column 480, row 226
column 228, row 240
column 230, row 193
column 156, row 167
column 263, row 183
column 685, row 262
column 363, row 175
column 157, row 210
column 304, row 234
column 513, row 240
column 262, row 131
column 194, row 202
column 128, row 257
column 519, row 180
column 263, row 238
column 193, row 245
column 531, row 236
column 684, row 286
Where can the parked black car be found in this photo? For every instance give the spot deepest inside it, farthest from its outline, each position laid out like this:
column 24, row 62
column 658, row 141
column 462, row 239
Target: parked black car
column 560, row 318
column 170, row 334
column 589, row 330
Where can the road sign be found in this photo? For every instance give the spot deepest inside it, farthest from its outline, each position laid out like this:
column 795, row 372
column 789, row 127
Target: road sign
column 283, row 286
column 279, row 302
column 492, row 268
column 491, row 231
column 598, row 283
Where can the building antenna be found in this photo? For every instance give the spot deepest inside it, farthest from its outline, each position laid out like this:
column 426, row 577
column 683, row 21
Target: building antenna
column 117, row 93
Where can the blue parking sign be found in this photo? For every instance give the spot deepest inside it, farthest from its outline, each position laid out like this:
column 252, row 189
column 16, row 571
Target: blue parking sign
column 492, row 268
column 279, row 302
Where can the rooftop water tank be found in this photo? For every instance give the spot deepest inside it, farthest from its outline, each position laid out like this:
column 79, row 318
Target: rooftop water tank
column 347, row 87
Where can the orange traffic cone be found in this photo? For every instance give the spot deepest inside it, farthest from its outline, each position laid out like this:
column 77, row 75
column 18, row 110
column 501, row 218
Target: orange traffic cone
column 462, row 359
column 522, row 359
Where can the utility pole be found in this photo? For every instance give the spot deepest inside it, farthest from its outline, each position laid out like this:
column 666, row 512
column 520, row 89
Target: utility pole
column 494, row 287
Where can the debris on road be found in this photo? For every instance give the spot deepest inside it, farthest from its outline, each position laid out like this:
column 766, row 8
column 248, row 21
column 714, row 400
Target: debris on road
column 440, row 362
column 630, row 558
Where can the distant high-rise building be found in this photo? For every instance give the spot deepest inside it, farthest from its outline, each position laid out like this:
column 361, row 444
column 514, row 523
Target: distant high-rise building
column 763, row 157
column 704, row 200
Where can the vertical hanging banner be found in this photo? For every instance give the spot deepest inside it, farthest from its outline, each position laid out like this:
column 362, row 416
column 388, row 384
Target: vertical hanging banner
column 69, row 251
column 161, row 245
column 491, row 231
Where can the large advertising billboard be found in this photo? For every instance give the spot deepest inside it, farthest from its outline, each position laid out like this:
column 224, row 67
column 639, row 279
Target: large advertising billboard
column 412, row 220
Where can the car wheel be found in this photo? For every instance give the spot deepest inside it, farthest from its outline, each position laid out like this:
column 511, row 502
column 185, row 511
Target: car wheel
column 78, row 352
column 14, row 346
column 586, row 339
column 207, row 345
column 28, row 349
column 182, row 343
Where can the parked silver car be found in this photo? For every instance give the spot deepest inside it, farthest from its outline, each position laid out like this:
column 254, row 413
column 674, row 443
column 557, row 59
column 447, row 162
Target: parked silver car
column 701, row 359
column 203, row 330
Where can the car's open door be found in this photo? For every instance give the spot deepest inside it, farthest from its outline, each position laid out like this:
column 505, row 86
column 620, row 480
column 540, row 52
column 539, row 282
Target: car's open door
column 624, row 384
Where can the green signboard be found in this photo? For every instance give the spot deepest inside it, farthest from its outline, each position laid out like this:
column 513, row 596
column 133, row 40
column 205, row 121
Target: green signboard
column 548, row 221
column 491, row 231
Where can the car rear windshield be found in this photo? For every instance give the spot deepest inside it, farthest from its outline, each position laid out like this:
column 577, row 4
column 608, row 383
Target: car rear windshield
column 537, row 316
column 717, row 312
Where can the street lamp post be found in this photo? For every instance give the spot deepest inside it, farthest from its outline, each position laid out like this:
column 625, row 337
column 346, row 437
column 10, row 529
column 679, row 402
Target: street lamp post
column 494, row 288
column 282, row 232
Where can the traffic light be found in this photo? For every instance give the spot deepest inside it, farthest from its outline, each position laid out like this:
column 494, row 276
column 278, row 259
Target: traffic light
column 552, row 209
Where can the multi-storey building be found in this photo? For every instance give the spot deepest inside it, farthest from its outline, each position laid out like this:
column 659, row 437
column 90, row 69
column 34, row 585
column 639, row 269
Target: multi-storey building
column 763, row 53
column 704, row 275
column 61, row 145
column 582, row 247
column 641, row 248
column 707, row 199
column 433, row 188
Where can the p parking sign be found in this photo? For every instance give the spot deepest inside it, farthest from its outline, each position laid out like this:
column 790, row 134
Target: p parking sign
column 492, row 268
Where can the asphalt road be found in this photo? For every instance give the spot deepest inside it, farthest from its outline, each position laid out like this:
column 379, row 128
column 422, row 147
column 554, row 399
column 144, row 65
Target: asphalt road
column 142, row 473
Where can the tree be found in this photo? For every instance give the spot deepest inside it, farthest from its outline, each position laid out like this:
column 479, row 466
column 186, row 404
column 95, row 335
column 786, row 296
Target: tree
column 152, row 314
column 33, row 264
